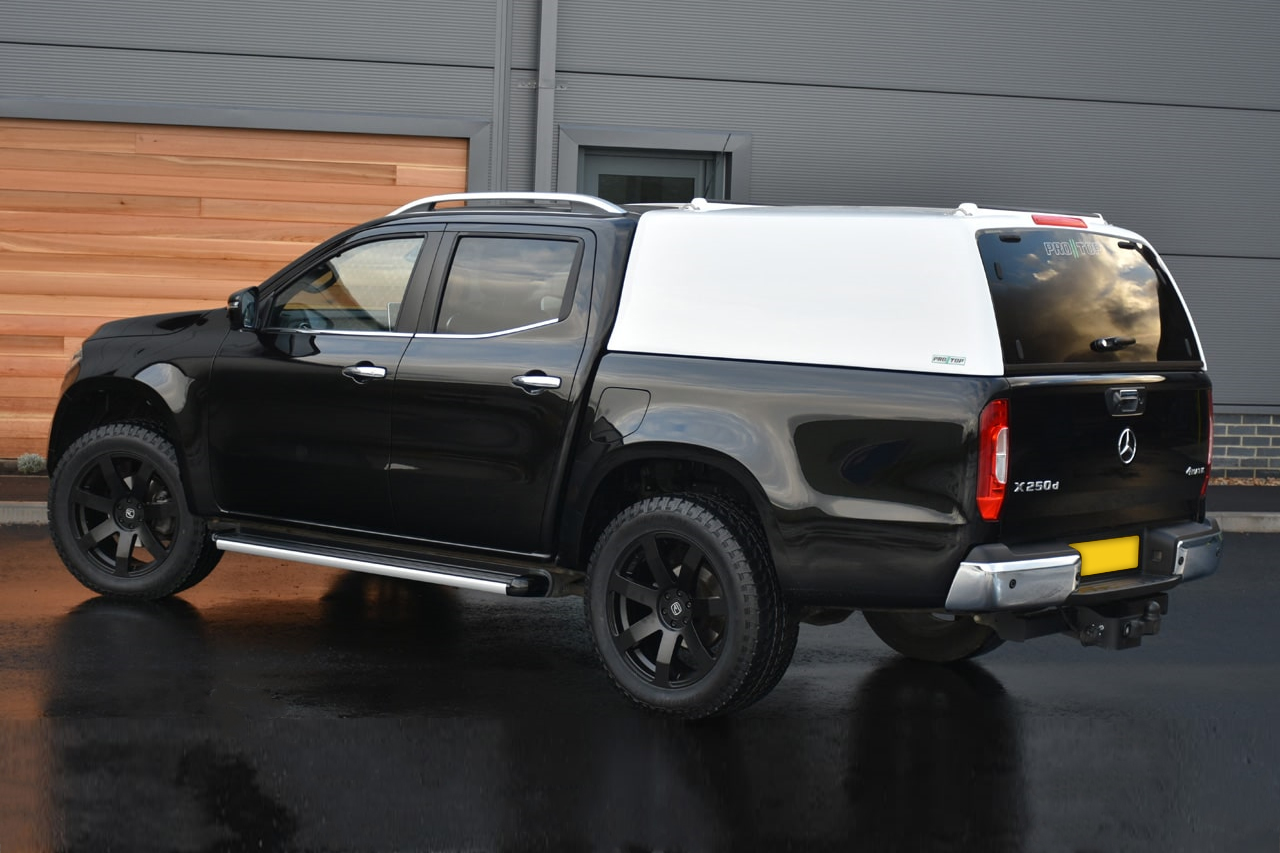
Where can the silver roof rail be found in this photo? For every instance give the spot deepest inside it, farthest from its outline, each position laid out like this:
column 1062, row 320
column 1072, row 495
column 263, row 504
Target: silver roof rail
column 430, row 202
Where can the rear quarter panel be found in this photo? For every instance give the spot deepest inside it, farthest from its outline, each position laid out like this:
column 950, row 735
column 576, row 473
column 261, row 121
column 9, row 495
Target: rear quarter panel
column 864, row 479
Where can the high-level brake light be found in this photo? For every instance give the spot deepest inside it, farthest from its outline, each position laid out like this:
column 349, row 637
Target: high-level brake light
column 1058, row 220
column 993, row 458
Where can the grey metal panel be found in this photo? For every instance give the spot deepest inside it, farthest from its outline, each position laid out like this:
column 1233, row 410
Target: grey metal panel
column 442, row 32
column 261, row 82
column 524, row 35
column 1145, row 51
column 521, row 124
column 1236, row 305
column 1194, row 181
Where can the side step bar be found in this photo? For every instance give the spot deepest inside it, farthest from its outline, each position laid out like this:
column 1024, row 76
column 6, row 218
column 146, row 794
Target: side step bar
column 529, row 585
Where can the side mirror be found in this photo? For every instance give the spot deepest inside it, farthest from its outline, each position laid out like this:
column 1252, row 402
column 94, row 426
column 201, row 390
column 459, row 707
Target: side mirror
column 242, row 309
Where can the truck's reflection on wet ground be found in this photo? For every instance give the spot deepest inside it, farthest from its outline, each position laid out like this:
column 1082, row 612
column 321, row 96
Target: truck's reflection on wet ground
column 285, row 708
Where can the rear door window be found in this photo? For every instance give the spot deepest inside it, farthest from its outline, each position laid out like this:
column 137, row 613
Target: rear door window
column 1070, row 299
column 503, row 283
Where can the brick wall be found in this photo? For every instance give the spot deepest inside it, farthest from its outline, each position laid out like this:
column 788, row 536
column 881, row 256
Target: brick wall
column 1246, row 446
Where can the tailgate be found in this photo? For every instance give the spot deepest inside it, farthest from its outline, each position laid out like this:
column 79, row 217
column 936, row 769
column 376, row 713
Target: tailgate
column 1104, row 456
column 1109, row 403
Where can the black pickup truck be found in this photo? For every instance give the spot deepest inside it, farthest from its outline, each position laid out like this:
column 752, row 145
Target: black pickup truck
column 712, row 421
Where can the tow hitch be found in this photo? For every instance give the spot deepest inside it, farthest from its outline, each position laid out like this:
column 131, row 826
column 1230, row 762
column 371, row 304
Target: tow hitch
column 1118, row 625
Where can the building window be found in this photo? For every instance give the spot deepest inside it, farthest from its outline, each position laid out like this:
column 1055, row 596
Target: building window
column 625, row 176
column 631, row 164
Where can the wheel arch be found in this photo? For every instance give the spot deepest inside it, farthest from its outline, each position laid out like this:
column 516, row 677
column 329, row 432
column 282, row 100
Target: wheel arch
column 93, row 402
column 628, row 474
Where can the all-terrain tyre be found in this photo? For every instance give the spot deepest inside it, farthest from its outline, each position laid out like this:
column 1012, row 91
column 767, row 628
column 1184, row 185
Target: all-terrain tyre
column 932, row 637
column 685, row 608
column 118, row 515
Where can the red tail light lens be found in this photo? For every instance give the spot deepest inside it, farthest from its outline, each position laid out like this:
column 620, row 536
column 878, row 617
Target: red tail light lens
column 1058, row 220
column 993, row 458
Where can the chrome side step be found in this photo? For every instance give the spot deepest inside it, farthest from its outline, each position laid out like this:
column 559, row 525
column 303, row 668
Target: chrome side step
column 425, row 571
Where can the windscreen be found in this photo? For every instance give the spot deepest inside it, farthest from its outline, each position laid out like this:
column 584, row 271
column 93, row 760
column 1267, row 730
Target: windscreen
column 1073, row 297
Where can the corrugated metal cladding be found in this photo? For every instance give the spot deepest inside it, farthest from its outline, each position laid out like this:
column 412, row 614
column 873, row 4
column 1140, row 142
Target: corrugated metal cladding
column 1145, row 51
column 1162, row 114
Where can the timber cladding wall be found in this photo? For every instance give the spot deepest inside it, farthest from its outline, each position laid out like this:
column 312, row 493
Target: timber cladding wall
column 102, row 221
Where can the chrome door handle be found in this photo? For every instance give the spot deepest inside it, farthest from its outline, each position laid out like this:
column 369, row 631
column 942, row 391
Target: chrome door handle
column 536, row 383
column 362, row 373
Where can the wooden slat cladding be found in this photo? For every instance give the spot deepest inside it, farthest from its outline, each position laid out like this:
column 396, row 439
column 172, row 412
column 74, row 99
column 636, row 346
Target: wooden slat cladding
column 100, row 221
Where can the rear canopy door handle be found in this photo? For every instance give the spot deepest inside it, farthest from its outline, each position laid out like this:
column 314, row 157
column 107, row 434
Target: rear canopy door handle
column 364, row 372
column 535, row 382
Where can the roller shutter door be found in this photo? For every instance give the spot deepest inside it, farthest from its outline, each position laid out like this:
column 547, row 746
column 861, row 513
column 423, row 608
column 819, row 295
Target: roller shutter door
column 102, row 221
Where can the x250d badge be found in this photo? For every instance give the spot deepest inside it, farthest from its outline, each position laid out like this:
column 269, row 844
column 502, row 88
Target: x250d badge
column 1036, row 486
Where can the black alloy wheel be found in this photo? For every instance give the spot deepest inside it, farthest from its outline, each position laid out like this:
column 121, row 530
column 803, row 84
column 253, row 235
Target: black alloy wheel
column 685, row 609
column 666, row 610
column 118, row 515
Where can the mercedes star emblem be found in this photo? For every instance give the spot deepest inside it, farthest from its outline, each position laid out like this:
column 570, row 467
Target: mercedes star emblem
column 1127, row 446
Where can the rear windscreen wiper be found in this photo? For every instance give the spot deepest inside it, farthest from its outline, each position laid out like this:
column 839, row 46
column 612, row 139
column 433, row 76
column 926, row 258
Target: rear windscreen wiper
column 1111, row 344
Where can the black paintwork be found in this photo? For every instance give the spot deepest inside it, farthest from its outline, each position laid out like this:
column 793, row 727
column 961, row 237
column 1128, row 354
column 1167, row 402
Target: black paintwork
column 864, row 480
column 1075, row 446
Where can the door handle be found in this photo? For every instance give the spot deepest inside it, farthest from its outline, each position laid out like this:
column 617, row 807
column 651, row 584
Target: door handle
column 364, row 372
column 536, row 382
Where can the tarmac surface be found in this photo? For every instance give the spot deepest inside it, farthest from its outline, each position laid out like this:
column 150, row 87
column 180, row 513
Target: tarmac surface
column 291, row 708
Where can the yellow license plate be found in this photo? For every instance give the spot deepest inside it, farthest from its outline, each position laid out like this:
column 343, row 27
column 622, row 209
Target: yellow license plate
column 1107, row 555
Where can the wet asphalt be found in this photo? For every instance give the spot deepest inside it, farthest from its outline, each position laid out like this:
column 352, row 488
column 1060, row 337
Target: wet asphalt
column 282, row 707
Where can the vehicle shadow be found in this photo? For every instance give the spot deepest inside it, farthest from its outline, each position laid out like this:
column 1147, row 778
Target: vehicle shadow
column 935, row 760
column 254, row 728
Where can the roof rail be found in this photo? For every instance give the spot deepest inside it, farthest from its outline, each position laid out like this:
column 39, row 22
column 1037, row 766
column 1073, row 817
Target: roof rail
column 430, row 202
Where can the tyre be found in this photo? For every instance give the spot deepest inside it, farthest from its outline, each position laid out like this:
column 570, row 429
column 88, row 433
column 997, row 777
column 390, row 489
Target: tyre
column 935, row 637
column 685, row 609
column 119, row 518
column 208, row 561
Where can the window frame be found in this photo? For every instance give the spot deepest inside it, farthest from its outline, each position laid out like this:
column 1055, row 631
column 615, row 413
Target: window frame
column 434, row 300
column 411, row 301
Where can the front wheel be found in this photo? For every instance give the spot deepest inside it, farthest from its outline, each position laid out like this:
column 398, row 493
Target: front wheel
column 685, row 609
column 119, row 518
column 935, row 637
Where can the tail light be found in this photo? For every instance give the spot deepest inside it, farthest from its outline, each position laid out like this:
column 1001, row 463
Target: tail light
column 1208, row 465
column 993, row 458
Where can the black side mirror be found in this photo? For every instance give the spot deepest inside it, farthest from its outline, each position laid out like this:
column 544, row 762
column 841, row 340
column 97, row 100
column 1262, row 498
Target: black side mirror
column 242, row 309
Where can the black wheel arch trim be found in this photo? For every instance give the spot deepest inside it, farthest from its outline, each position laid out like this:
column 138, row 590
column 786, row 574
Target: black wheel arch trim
column 78, row 412
column 586, row 482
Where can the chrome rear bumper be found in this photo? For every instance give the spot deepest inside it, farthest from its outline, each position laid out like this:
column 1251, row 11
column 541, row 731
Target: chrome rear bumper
column 998, row 578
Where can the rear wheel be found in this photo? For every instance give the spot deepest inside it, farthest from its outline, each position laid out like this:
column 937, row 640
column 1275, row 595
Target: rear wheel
column 119, row 518
column 685, row 608
column 936, row 637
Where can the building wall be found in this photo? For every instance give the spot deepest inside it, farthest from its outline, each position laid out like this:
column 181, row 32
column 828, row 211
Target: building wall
column 106, row 220
column 1161, row 114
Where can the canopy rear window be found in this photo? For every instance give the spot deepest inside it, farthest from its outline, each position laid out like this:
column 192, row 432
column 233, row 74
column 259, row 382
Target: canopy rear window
column 1063, row 296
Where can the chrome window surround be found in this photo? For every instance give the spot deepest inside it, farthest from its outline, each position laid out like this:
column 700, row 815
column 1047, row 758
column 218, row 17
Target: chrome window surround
column 356, row 333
